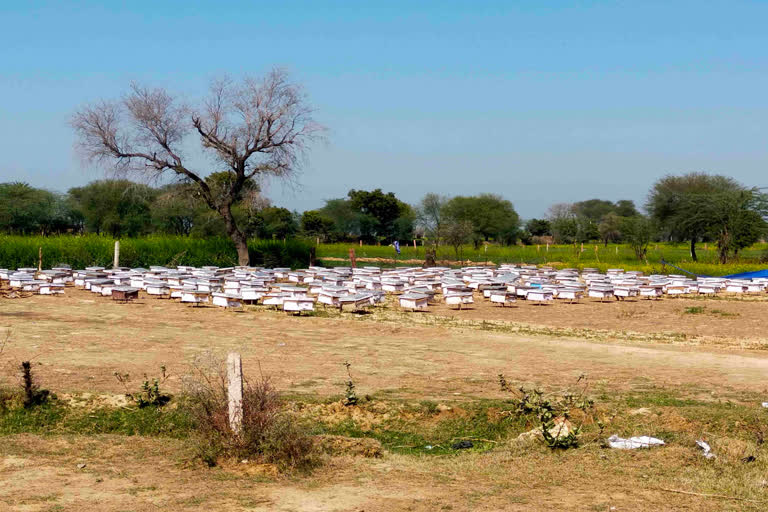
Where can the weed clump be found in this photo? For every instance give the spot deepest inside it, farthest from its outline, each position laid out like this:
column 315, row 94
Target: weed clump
column 350, row 395
column 267, row 433
column 552, row 413
column 149, row 395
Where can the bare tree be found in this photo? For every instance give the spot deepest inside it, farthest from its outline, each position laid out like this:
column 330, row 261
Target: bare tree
column 430, row 216
column 252, row 130
column 458, row 233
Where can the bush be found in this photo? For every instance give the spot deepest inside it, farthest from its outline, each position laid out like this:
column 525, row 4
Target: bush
column 268, row 434
column 149, row 395
column 33, row 395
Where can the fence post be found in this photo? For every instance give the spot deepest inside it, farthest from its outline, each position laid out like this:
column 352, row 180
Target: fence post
column 40, row 259
column 116, row 261
column 235, row 391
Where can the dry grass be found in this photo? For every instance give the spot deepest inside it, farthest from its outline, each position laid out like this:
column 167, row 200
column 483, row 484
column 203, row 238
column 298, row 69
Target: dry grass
column 267, row 433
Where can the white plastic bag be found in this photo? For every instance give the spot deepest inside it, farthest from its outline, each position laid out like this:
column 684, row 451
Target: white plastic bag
column 706, row 449
column 633, row 442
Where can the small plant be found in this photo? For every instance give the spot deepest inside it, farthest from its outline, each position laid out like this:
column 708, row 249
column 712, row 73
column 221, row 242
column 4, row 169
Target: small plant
column 553, row 414
column 350, row 396
column 694, row 310
column 33, row 395
column 428, row 407
column 149, row 395
column 503, row 384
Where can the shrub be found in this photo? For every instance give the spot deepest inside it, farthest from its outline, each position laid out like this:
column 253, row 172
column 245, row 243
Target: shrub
column 268, row 432
column 149, row 394
column 33, row 395
column 552, row 413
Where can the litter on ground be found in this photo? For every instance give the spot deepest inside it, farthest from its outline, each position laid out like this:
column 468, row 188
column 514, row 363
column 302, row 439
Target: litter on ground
column 633, row 442
column 706, row 449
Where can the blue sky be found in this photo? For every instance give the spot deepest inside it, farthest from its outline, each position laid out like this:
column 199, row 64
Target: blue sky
column 539, row 101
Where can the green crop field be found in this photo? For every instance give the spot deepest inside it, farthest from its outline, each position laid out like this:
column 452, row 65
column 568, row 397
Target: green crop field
column 92, row 250
column 563, row 256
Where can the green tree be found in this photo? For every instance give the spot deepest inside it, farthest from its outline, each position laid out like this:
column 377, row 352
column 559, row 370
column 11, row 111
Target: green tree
column 734, row 218
column 274, row 222
column 625, row 208
column 539, row 227
column 346, row 221
column 563, row 223
column 315, row 224
column 117, row 207
column 492, row 217
column 674, row 201
column 638, row 232
column 176, row 212
column 593, row 209
column 610, row 228
column 378, row 213
column 26, row 210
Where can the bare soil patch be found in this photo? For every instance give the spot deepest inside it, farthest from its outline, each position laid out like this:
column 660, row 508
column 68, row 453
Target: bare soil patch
column 78, row 341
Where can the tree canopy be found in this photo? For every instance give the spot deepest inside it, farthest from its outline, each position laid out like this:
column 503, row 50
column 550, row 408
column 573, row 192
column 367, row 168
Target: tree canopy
column 697, row 205
column 492, row 216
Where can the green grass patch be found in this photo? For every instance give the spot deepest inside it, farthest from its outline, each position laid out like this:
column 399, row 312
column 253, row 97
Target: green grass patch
column 698, row 310
column 427, row 432
column 57, row 418
column 659, row 399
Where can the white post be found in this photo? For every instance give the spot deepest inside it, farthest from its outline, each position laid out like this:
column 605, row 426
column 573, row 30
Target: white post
column 235, row 391
column 116, row 262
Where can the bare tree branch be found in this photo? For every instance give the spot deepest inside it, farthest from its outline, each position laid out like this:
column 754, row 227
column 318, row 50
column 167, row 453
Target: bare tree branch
column 254, row 129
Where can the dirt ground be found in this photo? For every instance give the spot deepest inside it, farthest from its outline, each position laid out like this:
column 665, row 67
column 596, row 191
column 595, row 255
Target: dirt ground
column 79, row 340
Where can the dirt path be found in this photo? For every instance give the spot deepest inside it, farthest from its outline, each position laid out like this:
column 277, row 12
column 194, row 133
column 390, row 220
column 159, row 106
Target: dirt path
column 79, row 341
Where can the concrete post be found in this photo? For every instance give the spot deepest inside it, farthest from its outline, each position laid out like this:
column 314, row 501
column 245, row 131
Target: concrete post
column 235, row 391
column 116, row 262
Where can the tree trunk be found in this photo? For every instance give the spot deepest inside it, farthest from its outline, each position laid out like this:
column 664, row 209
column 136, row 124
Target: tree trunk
column 241, row 244
column 724, row 246
column 693, row 249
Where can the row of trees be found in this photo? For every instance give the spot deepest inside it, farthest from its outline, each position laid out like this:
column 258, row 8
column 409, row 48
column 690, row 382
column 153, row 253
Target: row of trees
column 124, row 208
column 694, row 207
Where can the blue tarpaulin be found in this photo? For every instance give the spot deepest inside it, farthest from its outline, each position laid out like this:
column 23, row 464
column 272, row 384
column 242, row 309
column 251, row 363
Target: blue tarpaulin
column 743, row 275
column 750, row 275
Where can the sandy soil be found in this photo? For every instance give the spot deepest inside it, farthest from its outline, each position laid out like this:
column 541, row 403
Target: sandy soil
column 78, row 341
column 42, row 474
